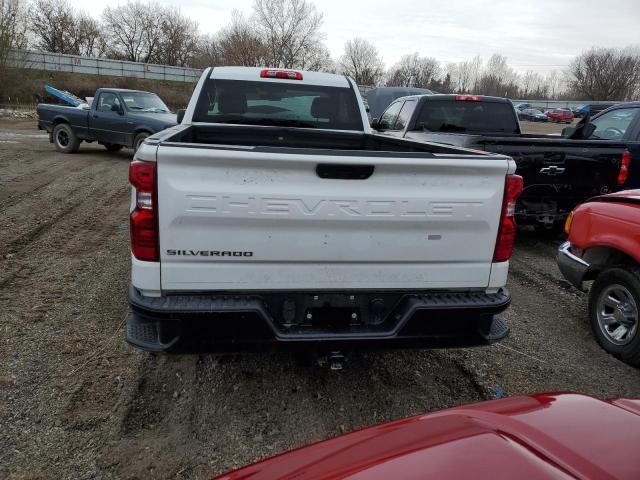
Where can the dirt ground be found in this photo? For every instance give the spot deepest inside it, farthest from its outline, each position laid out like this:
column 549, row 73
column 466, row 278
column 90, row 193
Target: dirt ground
column 76, row 402
column 544, row 127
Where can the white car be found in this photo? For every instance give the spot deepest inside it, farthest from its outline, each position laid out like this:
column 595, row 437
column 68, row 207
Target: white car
column 272, row 215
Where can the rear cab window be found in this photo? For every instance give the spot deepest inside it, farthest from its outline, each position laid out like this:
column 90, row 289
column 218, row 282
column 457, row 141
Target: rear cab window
column 467, row 116
column 278, row 104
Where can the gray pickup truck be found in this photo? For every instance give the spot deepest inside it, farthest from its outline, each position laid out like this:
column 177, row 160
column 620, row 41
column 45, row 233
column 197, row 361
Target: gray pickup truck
column 116, row 118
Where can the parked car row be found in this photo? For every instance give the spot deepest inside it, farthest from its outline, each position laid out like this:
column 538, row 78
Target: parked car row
column 560, row 115
column 557, row 115
column 532, row 115
column 591, row 108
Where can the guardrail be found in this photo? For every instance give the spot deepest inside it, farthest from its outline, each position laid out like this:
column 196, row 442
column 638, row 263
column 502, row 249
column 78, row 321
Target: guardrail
column 59, row 62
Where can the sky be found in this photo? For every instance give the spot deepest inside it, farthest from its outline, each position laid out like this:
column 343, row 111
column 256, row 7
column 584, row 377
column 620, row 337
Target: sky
column 539, row 35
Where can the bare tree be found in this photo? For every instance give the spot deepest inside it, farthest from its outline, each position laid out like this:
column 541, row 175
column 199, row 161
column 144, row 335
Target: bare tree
column 240, row 44
column 290, row 30
column 415, row 71
column 56, row 27
column 179, row 41
column 318, row 59
column 463, row 75
column 88, row 37
column 361, row 61
column 498, row 78
column 554, row 84
column 208, row 53
column 12, row 29
column 52, row 25
column 135, row 30
column 475, row 68
column 606, row 74
column 533, row 85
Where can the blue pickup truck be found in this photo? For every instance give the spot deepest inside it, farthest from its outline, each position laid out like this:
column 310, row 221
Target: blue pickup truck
column 117, row 118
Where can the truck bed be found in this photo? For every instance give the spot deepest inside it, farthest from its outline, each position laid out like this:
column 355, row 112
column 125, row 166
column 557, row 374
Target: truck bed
column 78, row 118
column 295, row 138
column 559, row 173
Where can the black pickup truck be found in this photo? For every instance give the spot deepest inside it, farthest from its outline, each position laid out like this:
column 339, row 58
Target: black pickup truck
column 559, row 171
column 116, row 118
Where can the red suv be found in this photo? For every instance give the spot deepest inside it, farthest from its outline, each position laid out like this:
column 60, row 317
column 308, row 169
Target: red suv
column 604, row 246
column 560, row 115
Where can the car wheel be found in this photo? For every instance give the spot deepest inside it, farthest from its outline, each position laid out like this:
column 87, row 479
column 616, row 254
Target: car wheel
column 112, row 147
column 138, row 140
column 614, row 303
column 65, row 139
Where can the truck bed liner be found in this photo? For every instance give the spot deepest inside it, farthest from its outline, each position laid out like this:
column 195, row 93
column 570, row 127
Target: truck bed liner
column 338, row 142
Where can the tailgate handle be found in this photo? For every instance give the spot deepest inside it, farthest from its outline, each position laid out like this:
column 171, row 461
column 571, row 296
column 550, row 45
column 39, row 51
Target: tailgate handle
column 344, row 172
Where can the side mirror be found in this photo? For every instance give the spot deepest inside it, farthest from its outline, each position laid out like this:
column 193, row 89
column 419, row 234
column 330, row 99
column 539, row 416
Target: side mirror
column 375, row 124
column 568, row 131
column 180, row 115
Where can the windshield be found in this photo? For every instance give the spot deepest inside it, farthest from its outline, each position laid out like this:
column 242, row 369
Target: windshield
column 456, row 116
column 144, row 102
column 278, row 104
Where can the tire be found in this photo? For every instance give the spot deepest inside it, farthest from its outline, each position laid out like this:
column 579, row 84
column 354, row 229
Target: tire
column 65, row 139
column 614, row 306
column 112, row 147
column 138, row 140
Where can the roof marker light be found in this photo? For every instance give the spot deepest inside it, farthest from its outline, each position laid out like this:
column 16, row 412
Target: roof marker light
column 283, row 74
column 468, row 98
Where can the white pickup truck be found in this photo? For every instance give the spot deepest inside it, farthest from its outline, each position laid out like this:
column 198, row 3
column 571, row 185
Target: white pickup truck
column 272, row 215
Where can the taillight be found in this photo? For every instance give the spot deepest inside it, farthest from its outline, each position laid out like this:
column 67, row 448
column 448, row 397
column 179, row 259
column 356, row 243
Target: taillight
column 283, row 74
column 623, row 173
column 507, row 230
column 468, row 98
column 144, row 217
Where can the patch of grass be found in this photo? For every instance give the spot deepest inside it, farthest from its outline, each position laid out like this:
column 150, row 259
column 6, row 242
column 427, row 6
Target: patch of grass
column 20, row 86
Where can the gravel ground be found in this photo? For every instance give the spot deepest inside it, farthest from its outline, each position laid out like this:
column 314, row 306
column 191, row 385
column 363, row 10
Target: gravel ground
column 77, row 403
column 544, row 127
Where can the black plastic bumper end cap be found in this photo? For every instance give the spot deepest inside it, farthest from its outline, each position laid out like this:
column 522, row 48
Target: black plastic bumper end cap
column 145, row 334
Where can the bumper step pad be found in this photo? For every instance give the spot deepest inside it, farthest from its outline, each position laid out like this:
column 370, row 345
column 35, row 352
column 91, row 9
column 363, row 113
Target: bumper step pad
column 157, row 324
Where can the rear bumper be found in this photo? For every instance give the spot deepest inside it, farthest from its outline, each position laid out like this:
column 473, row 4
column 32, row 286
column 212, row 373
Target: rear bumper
column 222, row 322
column 573, row 268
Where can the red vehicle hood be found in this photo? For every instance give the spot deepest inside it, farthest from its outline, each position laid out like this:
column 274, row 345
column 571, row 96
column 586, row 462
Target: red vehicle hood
column 559, row 436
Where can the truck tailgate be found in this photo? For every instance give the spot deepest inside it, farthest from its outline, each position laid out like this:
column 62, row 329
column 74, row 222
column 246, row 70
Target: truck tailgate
column 242, row 219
